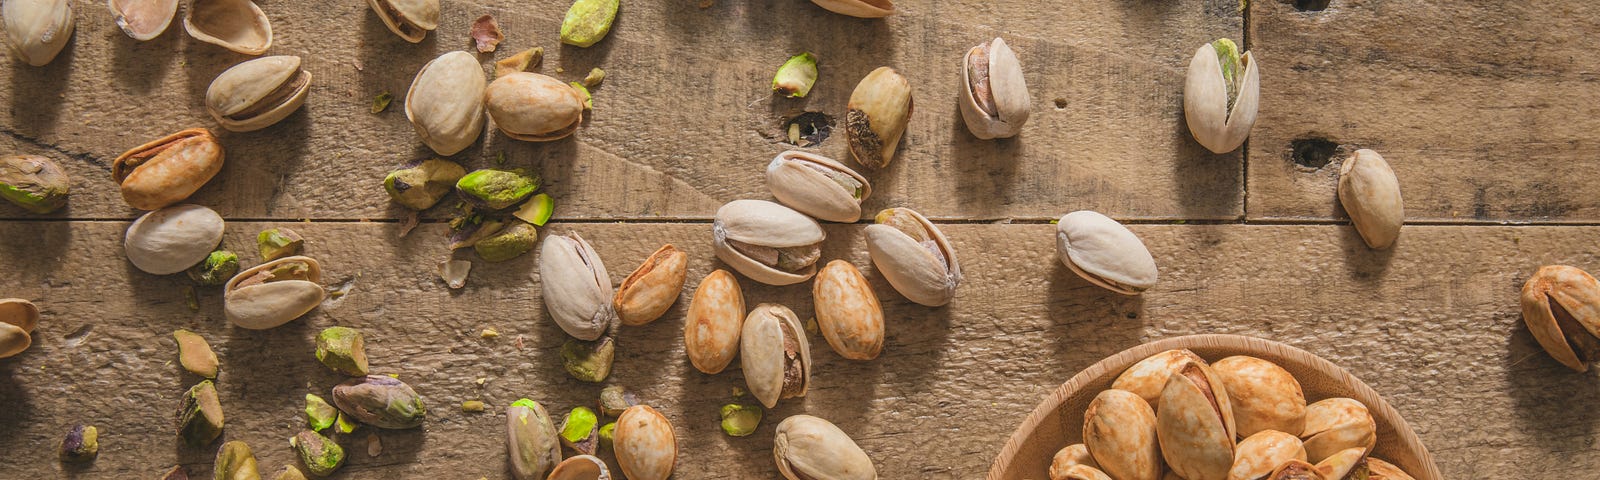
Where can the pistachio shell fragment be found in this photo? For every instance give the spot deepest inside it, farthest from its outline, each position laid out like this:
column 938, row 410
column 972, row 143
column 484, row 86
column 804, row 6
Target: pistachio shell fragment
column 876, row 117
column 580, row 430
column 13, row 340
column 1347, row 464
column 258, row 93
column 343, row 350
column 588, row 21
column 410, row 19
column 807, row 447
column 1119, row 432
column 774, row 354
column 576, row 288
column 1148, row 377
column 740, row 420
column 589, row 361
column 273, row 293
column 445, row 102
column 848, row 312
column 652, row 288
column 486, row 34
column 1070, row 456
column 143, row 20
column 1220, row 93
column 216, row 269
column 237, row 25
column 645, row 445
column 34, row 183
column 1105, row 253
column 421, row 186
column 235, row 461
column 195, row 355
column 817, row 186
column 768, row 242
column 1383, row 470
column 995, row 102
column 914, row 256
column 581, row 467
column 714, row 322
column 454, row 273
column 276, row 243
column 19, row 313
column 511, row 242
column 200, row 417
column 380, row 401
column 167, row 170
column 1264, row 395
column 1337, row 424
column 1259, row 454
column 520, row 62
column 858, row 8
column 81, row 445
column 1370, row 193
column 1561, row 306
column 795, row 78
column 1195, row 425
column 172, row 239
column 37, row 30
column 320, row 454
column 534, row 107
column 531, row 440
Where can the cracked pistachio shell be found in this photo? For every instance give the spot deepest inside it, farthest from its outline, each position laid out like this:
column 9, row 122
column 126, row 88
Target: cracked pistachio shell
column 581, row 467
column 1264, row 395
column 760, row 238
column 1149, row 376
column 876, row 117
column 172, row 239
column 847, row 311
column 1340, row 465
column 13, row 340
column 513, row 241
column 531, row 440
column 421, row 186
column 1337, row 424
column 645, row 445
column 143, row 19
column 588, row 21
column 1105, row 253
column 533, row 107
column 714, row 322
column 37, row 29
column 1195, row 424
column 321, row 455
column 258, row 93
column 235, row 461
column 167, row 170
column 34, row 183
column 19, row 313
column 1068, row 457
column 652, row 288
column 1080, row 472
column 1382, row 470
column 810, row 448
column 1294, row 470
column 576, row 288
column 1258, row 454
column 817, row 186
column 237, row 25
column 445, row 102
column 995, row 101
column 1561, row 306
column 858, row 8
column 1217, row 123
column 774, row 354
column 410, row 19
column 381, row 401
column 1370, row 193
column 257, row 299
column 914, row 256
column 1119, row 432
column 200, row 418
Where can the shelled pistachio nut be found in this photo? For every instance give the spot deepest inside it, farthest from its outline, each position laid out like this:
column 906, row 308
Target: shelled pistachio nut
column 714, row 322
column 237, row 25
column 645, row 445
column 1195, row 424
column 580, row 430
column 1258, row 454
column 775, row 354
column 167, row 170
column 1071, row 456
column 195, row 355
column 343, row 350
column 468, row 230
column 768, row 242
column 1119, row 431
column 37, row 29
column 1561, row 306
column 1294, row 470
column 1149, row 376
column 914, row 256
column 1370, row 193
column 172, row 239
column 847, row 311
column 1383, row 470
column 876, row 117
column 1082, row 472
column 1347, row 464
column 511, row 242
column 858, row 8
column 589, row 361
column 143, row 20
column 200, row 417
column 531, row 440
column 381, row 401
column 817, row 186
column 410, row 19
column 289, row 473
column 423, row 184
column 796, row 76
column 740, row 420
column 321, row 455
column 1264, row 395
column 216, row 269
column 588, row 21
column 1105, row 253
column 1220, row 94
column 533, row 107
column 258, row 93
column 319, row 413
column 652, row 288
column 576, row 288
column 807, row 447
column 81, row 444
column 279, row 242
column 614, row 399
column 495, row 189
column 1337, row 424
column 273, row 293
column 445, row 102
column 995, row 101
column 235, row 461
column 34, row 183
column 18, row 318
column 581, row 467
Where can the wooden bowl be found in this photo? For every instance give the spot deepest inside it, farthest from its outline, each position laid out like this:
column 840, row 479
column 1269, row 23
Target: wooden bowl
column 1058, row 421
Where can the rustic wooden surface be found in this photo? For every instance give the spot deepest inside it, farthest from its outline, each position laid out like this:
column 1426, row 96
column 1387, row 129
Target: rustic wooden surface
column 1481, row 106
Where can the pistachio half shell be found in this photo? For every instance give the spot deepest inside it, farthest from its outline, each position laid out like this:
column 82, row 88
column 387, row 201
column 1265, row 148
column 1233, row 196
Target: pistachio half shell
column 37, row 30
column 1259, row 454
column 858, row 8
column 410, row 19
column 768, row 242
column 876, row 117
column 652, row 288
column 258, row 93
column 1382, row 470
column 817, row 186
column 20, row 313
column 581, row 467
column 848, row 312
column 577, row 289
column 1195, row 424
column 172, row 239
column 1561, row 306
column 1264, row 395
column 1220, row 93
column 714, row 322
column 774, row 354
column 237, row 25
column 167, row 170
column 273, row 293
column 34, row 183
column 143, row 19
column 995, row 101
column 1071, row 456
column 1105, row 253
column 445, row 102
column 1148, row 377
column 1370, row 193
column 13, row 340
column 807, row 447
column 533, row 107
column 1337, row 424
column 914, row 256
column 531, row 440
column 644, row 443
column 1119, row 432
column 1341, row 464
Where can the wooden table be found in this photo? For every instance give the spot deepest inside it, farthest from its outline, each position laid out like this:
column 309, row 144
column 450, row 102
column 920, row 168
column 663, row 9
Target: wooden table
column 1485, row 109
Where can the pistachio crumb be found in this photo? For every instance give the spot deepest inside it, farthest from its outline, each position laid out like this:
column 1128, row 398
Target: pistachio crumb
column 488, row 333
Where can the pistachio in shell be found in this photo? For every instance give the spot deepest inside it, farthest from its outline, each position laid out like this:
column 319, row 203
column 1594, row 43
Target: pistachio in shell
column 1561, row 306
column 343, row 350
column 1119, row 432
column 200, row 419
column 715, row 319
column 914, row 256
column 1081, row 472
column 422, row 185
column 273, row 293
column 534, row 107
column 858, row 8
column 768, row 242
column 1221, row 91
column 409, row 19
column 774, row 354
column 13, row 340
column 195, row 355
column 1195, row 425
column 37, row 30
column 445, row 102
column 172, row 239
column 258, row 93
column 34, row 183
column 1370, row 193
column 1264, row 396
column 237, row 25
column 321, row 455
column 646, row 447
column 381, row 401
column 588, row 21
column 876, row 117
column 1105, row 253
column 1337, row 424
column 511, row 242
column 1259, row 454
column 216, row 269
column 495, row 189
column 235, row 461
column 1383, row 470
column 848, row 313
column 143, row 20
column 1068, row 457
column 576, row 288
column 1347, row 464
column 652, row 288
column 995, row 101
column 167, row 170
column 1149, row 376
column 531, row 440
column 807, row 447
column 581, row 467
column 817, row 186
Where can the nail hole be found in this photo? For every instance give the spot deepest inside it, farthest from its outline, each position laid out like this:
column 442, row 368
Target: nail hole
column 1061, row 103
column 1312, row 152
column 1311, row 5
column 807, row 129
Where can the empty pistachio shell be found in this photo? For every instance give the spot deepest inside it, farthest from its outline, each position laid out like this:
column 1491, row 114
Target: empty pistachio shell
column 714, row 322
column 1343, row 463
column 1382, row 470
column 1070, row 456
column 167, row 170
column 817, row 186
column 20, row 313
column 195, row 355
column 589, row 361
column 533, row 107
column 1370, row 193
column 1264, row 395
column 651, row 289
column 37, row 29
column 216, row 269
column 807, row 447
column 13, row 340
column 410, row 19
column 645, row 445
column 1260, row 453
column 343, row 350
column 1337, row 424
column 445, row 102
column 1149, row 376
column 513, row 241
column 914, row 256
column 143, row 19
column 1294, row 470
column 795, row 78
column 172, row 239
column 34, row 183
column 1119, row 431
column 581, row 467
column 876, row 117
column 420, row 186
column 995, row 101
column 775, row 354
column 235, row 461
column 1561, row 306
column 531, row 440
column 237, row 25
column 767, row 242
column 200, row 417
column 576, row 288
column 381, row 401
column 858, row 8
column 273, row 293
column 1104, row 252
column 321, row 455
column 848, row 312
column 82, row 444
column 1220, row 93
column 1195, row 424
column 588, row 21
column 258, row 93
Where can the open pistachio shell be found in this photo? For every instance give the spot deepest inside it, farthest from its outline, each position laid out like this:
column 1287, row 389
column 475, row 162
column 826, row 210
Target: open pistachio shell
column 876, row 117
column 445, row 102
column 267, row 296
column 1339, row 465
column 172, row 239
column 774, row 354
column 1217, row 123
column 848, row 312
column 1195, row 424
column 13, row 340
column 714, row 322
column 1382, row 470
column 994, row 101
column 810, row 448
column 531, row 440
column 258, row 93
column 1105, row 253
column 1264, row 395
column 652, row 288
column 37, row 30
column 1259, row 454
column 533, row 107
column 817, row 186
column 645, row 445
column 410, row 19
column 858, row 8
column 1337, row 424
column 237, row 25
column 1294, row 470
column 1068, row 457
column 576, row 288
column 143, row 19
column 167, row 170
column 1119, row 430
column 1561, row 306
column 1149, row 376
column 20, row 313
column 581, row 467
column 768, row 242
column 914, row 256
column 1370, row 193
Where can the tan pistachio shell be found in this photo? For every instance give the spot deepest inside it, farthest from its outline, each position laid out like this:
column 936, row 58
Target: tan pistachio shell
column 1119, row 430
column 1337, row 424
column 1205, row 101
column 645, row 445
column 1383, row 470
column 858, row 8
column 1370, row 193
column 848, row 313
column 1149, row 376
column 810, row 448
column 1105, row 253
column 1000, row 105
column 258, row 93
column 533, row 107
column 167, row 170
column 652, row 288
column 143, row 19
column 911, row 266
column 237, row 25
column 1081, row 472
column 20, row 313
column 876, row 117
column 1561, row 306
column 410, row 19
column 774, row 354
column 13, row 340
column 1259, row 454
column 714, row 322
column 576, row 288
column 1069, row 456
column 1341, row 463
column 445, row 102
column 1264, row 395
column 1195, row 424
column 764, row 224
column 806, row 182
column 581, row 467
column 37, row 30
column 172, row 239
column 267, row 305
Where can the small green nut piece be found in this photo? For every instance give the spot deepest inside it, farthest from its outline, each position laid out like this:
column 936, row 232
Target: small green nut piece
column 580, row 431
column 290, row 473
column 216, row 269
column 235, row 461
column 195, row 354
column 423, row 185
column 472, row 406
column 796, row 76
column 345, row 424
column 588, row 100
column 1228, row 57
column 493, row 189
column 34, row 183
column 319, row 414
column 594, row 77
column 740, row 420
column 537, row 210
column 82, row 444
column 588, row 21
column 276, row 243
column 608, row 434
column 513, row 241
column 614, row 399
column 589, row 361
column 200, row 418
column 320, row 454
column 343, row 350
column 380, row 401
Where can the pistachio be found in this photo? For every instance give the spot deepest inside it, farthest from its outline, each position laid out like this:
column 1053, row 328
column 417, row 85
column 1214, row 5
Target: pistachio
column 511, row 242
column 995, row 102
column 472, row 406
column 1370, row 193
column 200, row 418
column 167, row 170
column 18, row 318
column 1258, row 454
column 608, row 434
column 589, row 361
column 380, row 401
column 848, row 312
column 34, row 183
column 1382, row 470
column 520, row 62
column 715, row 319
column 1070, row 456
column 576, row 288
column 614, row 399
column 493, row 189
column 410, row 19
column 195, row 354
column 1347, row 464
column 143, row 19
column 581, row 467
column 1337, row 424
column 216, row 269
column 1294, row 470
column 1195, row 424
column 914, row 256
column 319, row 414
column 533, row 107
column 82, row 444
column 817, row 186
column 421, row 186
column 588, row 21
column 858, row 8
column 536, row 210
column 1105, row 253
column 775, row 354
column 320, row 454
column 37, row 29
column 1220, row 93
column 344, row 424
column 235, row 461
column 876, row 117
column 652, row 288
column 583, row 93
column 290, row 473
column 740, row 420
column 1561, row 306
column 343, row 350
column 486, row 34
column 172, row 239
column 807, row 447
column 472, row 228
column 645, row 445
column 595, row 76
column 795, row 78
column 1119, row 431
column 767, row 242
column 276, row 243
column 13, row 340
column 237, row 25
column 445, row 102
column 1148, row 377
column 1082, row 472
column 177, row 473
column 580, row 430
column 258, row 93
column 273, row 293
column 1264, row 396
column 531, row 440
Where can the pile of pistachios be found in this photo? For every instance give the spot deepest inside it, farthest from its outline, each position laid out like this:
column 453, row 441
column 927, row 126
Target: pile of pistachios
column 642, row 440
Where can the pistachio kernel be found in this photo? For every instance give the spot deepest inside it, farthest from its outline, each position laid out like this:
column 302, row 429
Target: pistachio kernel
column 276, row 243
column 589, row 361
column 216, row 269
column 320, row 454
column 319, row 414
column 580, row 430
column 588, row 21
column 740, row 420
column 493, row 189
column 796, row 77
column 343, row 350
column 82, row 444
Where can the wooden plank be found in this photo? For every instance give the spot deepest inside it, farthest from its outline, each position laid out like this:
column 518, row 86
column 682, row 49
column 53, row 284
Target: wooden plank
column 1484, row 109
column 684, row 122
column 1432, row 324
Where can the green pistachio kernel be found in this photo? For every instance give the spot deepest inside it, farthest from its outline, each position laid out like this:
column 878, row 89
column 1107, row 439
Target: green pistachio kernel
column 494, row 189
column 235, row 461
column 34, row 183
column 795, row 78
column 216, row 269
column 319, row 413
column 82, row 444
column 589, row 361
column 537, row 210
column 588, row 100
column 511, row 242
column 276, row 243
column 580, row 430
column 607, row 434
column 740, row 420
column 588, row 21
column 343, row 350
column 200, row 418
column 594, row 77
column 195, row 355
column 1228, row 57
column 423, row 185
column 320, row 454
column 344, row 424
